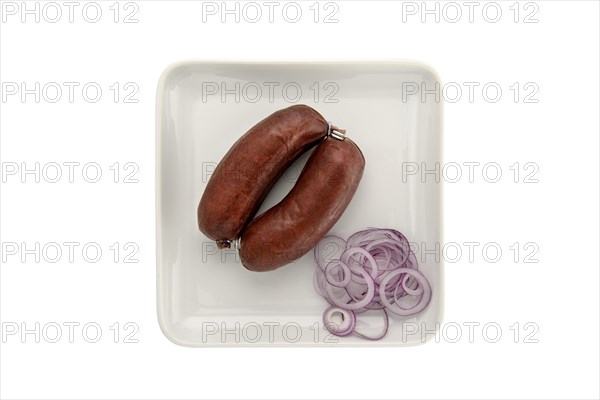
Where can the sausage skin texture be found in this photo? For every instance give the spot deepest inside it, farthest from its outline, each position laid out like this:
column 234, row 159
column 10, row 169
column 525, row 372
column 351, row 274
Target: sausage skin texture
column 294, row 226
column 245, row 175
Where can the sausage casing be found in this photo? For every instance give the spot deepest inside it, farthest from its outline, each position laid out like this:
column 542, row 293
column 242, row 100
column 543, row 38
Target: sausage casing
column 245, row 175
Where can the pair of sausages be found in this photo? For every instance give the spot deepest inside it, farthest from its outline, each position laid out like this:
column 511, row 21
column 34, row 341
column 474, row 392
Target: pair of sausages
column 251, row 167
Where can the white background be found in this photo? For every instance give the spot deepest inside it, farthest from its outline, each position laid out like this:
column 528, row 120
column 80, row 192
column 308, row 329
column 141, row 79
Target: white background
column 559, row 133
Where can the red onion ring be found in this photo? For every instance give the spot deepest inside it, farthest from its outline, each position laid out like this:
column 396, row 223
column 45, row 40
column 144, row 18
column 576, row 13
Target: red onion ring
column 373, row 270
column 357, row 304
column 317, row 282
column 347, row 275
column 386, row 324
column 417, row 291
column 348, row 321
column 423, row 301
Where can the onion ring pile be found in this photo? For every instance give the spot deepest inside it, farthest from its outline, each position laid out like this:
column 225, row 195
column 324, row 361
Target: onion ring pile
column 375, row 269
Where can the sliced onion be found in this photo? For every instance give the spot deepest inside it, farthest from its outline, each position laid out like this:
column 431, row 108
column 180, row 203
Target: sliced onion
column 421, row 304
column 375, row 305
column 348, row 321
column 343, row 268
column 386, row 324
column 368, row 297
column 375, row 269
column 318, row 282
column 406, row 286
column 366, row 256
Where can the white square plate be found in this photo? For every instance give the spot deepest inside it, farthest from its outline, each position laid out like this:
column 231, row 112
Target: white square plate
column 205, row 296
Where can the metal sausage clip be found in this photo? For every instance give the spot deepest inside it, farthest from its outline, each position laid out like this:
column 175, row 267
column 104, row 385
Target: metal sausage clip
column 335, row 132
column 227, row 244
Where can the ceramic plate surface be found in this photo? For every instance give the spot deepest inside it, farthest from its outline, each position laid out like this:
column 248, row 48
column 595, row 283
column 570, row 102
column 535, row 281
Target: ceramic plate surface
column 205, row 297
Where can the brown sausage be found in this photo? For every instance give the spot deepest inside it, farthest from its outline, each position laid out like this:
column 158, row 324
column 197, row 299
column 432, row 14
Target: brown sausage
column 245, row 175
column 293, row 227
